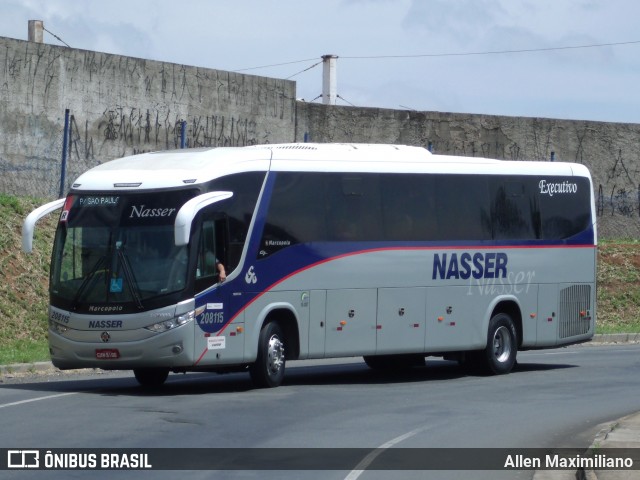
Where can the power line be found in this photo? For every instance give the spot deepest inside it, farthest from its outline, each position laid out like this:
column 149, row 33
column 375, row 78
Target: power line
column 275, row 65
column 492, row 52
column 450, row 54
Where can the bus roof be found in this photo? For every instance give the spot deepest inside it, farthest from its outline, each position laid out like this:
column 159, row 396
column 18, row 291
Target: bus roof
column 178, row 168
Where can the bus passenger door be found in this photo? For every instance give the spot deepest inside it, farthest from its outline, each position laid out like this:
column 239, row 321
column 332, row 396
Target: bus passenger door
column 213, row 307
column 401, row 320
column 351, row 322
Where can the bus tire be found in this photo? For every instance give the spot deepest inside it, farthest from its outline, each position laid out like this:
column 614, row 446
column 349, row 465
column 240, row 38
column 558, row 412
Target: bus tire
column 499, row 356
column 151, row 377
column 268, row 369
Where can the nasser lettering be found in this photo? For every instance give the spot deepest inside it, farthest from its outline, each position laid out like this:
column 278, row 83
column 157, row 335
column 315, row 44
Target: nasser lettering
column 142, row 211
column 105, row 324
column 467, row 265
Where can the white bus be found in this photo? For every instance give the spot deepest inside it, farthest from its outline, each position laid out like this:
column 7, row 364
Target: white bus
column 329, row 250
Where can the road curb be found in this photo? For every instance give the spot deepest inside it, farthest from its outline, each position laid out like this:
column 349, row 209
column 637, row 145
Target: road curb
column 616, row 338
column 37, row 367
column 623, row 433
column 588, row 473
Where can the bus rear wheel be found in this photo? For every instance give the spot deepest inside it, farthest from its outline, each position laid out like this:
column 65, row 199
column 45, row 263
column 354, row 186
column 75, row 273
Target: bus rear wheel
column 151, row 377
column 268, row 369
column 499, row 356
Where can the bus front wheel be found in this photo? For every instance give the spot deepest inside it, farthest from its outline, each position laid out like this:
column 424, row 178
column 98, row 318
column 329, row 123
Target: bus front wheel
column 151, row 377
column 502, row 346
column 268, row 369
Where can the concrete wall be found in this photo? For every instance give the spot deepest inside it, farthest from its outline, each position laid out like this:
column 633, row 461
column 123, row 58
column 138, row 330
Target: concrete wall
column 610, row 150
column 122, row 105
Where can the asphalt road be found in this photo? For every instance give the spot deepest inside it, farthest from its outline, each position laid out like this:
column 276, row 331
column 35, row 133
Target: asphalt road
column 554, row 398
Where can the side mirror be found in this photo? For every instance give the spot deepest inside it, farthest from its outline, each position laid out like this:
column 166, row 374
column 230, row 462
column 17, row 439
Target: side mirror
column 29, row 224
column 189, row 210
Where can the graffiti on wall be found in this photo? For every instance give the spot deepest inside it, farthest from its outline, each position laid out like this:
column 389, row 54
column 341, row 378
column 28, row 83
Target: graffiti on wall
column 500, row 151
column 122, row 105
column 620, row 201
column 120, row 131
column 162, row 129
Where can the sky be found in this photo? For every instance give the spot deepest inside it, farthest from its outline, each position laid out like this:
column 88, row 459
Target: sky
column 425, row 55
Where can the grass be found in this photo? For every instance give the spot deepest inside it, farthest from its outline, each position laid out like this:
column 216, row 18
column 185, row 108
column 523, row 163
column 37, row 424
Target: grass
column 24, row 351
column 618, row 309
column 24, row 284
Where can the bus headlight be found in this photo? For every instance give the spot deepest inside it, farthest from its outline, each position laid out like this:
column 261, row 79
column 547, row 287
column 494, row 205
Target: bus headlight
column 165, row 325
column 59, row 328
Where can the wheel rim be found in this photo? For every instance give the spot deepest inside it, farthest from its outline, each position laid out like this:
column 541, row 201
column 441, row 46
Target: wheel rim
column 275, row 354
column 502, row 344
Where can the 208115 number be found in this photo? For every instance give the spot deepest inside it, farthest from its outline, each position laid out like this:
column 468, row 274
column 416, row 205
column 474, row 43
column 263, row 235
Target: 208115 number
column 212, row 318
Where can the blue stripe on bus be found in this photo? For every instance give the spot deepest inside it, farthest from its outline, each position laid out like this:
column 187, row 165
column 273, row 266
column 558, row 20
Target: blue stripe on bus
column 281, row 266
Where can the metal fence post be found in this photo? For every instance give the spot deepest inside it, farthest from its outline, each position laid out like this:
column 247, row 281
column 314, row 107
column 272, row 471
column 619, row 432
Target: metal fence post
column 65, row 142
column 183, row 134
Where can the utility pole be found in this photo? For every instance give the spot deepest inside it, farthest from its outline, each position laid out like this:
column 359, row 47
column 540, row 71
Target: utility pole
column 36, row 31
column 329, row 79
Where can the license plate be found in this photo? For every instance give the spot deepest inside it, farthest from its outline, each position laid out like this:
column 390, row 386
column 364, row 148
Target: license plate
column 107, row 353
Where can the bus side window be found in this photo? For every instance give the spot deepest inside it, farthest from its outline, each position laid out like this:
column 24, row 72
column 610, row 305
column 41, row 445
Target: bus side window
column 514, row 212
column 211, row 251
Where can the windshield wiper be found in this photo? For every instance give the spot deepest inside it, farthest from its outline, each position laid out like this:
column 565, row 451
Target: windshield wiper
column 131, row 279
column 86, row 281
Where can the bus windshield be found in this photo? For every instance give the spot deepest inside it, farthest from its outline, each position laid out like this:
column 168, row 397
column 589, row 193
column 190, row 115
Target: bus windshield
column 118, row 249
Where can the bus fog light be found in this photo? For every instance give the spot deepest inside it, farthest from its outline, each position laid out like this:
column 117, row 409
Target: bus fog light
column 177, row 349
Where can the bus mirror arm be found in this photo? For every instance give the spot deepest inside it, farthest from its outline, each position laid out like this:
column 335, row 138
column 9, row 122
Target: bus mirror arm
column 189, row 210
column 29, row 224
